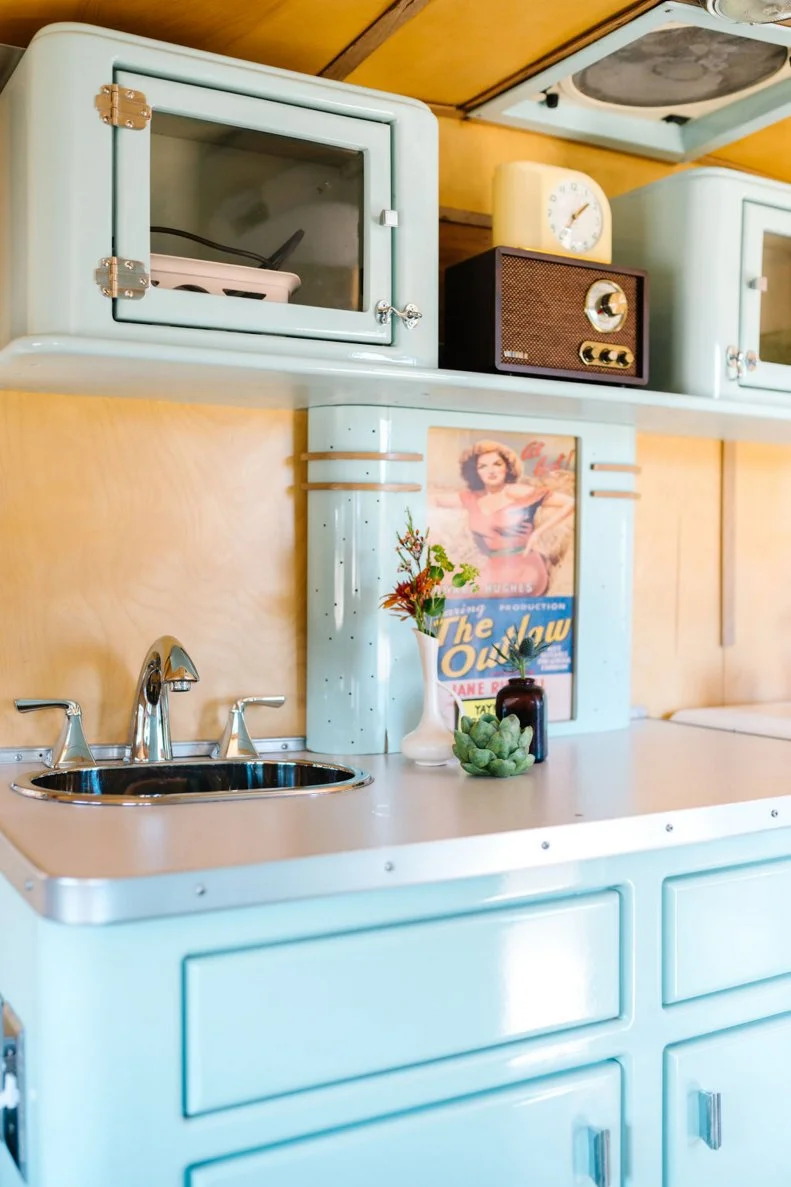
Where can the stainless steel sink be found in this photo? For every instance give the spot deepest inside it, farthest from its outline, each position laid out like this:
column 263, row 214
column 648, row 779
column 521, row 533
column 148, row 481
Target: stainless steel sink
column 195, row 780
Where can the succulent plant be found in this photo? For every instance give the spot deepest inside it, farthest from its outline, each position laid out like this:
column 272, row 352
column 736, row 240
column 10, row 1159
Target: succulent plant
column 487, row 746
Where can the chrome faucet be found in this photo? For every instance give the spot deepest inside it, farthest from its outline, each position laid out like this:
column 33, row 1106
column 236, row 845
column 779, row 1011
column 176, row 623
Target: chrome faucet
column 167, row 666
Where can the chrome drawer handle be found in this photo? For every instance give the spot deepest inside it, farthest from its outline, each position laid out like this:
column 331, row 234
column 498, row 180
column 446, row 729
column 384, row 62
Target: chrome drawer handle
column 410, row 315
column 711, row 1118
column 600, row 1157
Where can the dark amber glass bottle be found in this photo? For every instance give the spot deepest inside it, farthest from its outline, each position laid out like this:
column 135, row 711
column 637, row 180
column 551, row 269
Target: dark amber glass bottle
column 522, row 696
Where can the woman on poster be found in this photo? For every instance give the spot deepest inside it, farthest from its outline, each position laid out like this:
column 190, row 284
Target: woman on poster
column 501, row 508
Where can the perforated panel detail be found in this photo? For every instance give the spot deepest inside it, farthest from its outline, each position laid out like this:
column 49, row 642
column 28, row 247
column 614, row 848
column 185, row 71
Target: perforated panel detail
column 543, row 321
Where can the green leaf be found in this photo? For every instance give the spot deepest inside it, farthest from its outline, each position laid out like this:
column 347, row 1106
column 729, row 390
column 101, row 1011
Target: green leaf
column 501, row 768
column 436, row 573
column 459, row 580
column 524, row 765
column 499, row 746
column 434, row 607
column 480, row 757
column 462, row 745
column 481, row 732
column 511, row 729
column 492, row 718
column 471, row 770
column 517, row 755
column 465, row 724
column 526, row 737
column 440, row 557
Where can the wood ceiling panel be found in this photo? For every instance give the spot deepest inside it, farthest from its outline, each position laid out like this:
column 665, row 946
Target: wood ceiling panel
column 767, row 152
column 296, row 34
column 455, row 49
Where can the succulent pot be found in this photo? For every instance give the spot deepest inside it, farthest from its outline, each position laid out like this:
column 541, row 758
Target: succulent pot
column 524, row 697
column 430, row 744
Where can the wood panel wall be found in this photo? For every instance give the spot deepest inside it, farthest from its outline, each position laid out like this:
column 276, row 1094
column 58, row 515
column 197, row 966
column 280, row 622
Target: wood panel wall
column 121, row 520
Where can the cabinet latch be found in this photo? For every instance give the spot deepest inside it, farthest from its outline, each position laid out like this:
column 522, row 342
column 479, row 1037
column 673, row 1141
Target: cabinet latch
column 122, row 278
column 739, row 362
column 409, row 316
column 121, row 107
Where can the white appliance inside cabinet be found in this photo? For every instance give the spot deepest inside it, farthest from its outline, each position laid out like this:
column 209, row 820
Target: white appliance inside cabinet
column 717, row 245
column 769, row 720
column 170, row 197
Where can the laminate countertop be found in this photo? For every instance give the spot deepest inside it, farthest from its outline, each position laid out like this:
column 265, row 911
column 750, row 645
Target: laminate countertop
column 654, row 784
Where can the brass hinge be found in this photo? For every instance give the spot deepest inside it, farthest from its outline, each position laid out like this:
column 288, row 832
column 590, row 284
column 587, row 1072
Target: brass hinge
column 122, row 108
column 122, row 278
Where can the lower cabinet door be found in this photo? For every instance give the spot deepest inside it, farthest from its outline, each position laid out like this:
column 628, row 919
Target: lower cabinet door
column 560, row 1131
column 727, row 1101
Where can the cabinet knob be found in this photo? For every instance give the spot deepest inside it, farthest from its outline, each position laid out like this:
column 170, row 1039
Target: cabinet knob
column 710, row 1104
column 760, row 283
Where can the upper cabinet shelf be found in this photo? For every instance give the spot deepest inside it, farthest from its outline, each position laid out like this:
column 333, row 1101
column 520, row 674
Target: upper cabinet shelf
column 112, row 367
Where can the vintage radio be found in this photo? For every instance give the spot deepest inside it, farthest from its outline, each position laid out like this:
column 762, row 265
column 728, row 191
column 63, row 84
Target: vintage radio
column 529, row 313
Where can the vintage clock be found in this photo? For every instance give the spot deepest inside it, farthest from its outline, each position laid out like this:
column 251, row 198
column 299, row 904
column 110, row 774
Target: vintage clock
column 543, row 208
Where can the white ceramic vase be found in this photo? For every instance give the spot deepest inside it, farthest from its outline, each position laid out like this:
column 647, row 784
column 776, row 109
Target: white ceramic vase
column 430, row 744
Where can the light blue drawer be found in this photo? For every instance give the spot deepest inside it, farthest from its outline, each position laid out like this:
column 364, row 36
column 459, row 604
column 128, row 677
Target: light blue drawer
column 727, row 928
column 555, row 1132
column 271, row 1020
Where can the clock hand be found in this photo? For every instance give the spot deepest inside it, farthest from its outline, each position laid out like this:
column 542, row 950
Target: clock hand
column 576, row 215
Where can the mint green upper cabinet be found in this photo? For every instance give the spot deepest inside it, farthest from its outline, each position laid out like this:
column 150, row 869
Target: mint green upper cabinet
column 766, row 297
column 562, row 1131
column 727, row 1102
column 242, row 209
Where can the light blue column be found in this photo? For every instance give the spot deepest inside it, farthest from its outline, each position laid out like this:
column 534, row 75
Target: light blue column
column 363, row 685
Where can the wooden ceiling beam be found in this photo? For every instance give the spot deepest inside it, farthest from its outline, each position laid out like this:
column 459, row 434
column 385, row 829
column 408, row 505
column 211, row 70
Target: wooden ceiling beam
column 616, row 21
column 377, row 33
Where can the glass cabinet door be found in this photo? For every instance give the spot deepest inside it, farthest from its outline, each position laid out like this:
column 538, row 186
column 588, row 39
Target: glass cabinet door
column 255, row 216
column 766, row 297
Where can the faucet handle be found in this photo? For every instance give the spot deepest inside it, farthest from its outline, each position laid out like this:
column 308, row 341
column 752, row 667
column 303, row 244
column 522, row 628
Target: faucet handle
column 71, row 748
column 236, row 741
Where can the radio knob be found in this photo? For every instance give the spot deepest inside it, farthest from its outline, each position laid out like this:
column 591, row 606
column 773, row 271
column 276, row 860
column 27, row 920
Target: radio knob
column 613, row 304
column 606, row 356
column 623, row 359
column 589, row 354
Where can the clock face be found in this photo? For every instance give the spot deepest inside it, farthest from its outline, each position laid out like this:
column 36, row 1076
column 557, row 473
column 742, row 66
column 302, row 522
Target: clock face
column 575, row 216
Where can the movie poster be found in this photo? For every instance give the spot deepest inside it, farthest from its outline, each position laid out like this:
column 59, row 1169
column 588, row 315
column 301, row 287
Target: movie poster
column 505, row 502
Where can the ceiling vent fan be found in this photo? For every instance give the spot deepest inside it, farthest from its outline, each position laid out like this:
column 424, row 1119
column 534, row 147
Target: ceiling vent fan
column 675, row 83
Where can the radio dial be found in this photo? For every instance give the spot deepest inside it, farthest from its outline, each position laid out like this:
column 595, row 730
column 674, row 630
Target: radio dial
column 606, row 306
column 613, row 304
